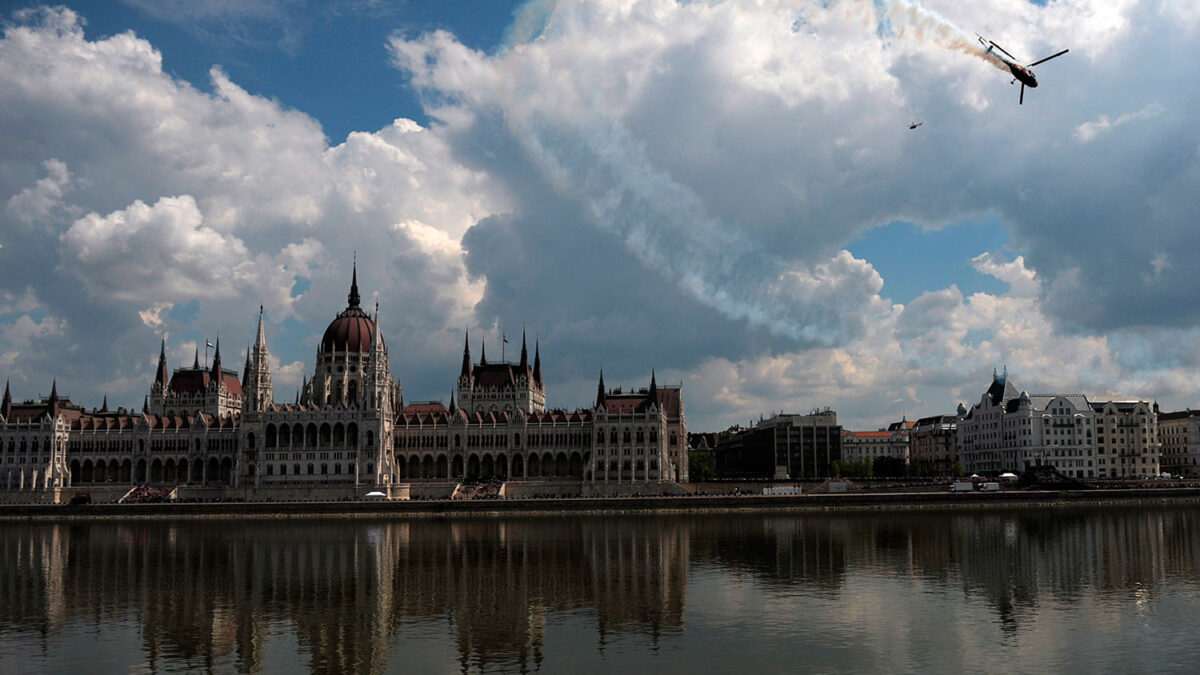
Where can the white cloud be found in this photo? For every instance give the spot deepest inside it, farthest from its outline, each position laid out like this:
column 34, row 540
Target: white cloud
column 34, row 205
column 152, row 316
column 18, row 301
column 23, row 334
column 1088, row 131
column 160, row 252
column 646, row 184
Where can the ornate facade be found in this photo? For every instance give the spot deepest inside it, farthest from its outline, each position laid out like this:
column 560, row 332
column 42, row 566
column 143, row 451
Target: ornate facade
column 1007, row 431
column 347, row 430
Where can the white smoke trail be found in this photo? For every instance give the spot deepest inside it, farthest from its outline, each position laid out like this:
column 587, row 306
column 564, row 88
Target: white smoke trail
column 912, row 21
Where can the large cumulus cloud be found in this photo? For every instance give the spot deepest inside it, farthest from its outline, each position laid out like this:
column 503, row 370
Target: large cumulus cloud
column 136, row 205
column 642, row 183
column 732, row 148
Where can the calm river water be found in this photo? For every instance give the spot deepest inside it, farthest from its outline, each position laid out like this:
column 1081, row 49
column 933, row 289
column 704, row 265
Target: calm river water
column 1047, row 590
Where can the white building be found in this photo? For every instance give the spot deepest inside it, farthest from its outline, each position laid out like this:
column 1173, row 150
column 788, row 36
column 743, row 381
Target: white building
column 1007, row 431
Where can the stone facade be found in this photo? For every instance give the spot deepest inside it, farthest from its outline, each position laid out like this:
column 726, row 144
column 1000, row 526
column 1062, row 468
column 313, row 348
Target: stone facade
column 1007, row 431
column 931, row 443
column 1179, row 433
column 347, row 431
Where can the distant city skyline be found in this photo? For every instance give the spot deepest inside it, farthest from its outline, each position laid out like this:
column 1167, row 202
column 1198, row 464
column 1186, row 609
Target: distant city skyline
column 728, row 193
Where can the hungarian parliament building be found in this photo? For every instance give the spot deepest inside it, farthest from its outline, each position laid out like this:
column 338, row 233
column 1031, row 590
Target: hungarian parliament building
column 348, row 432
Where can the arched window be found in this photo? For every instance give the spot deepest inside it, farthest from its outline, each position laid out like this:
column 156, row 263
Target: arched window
column 283, row 469
column 352, row 393
column 310, row 469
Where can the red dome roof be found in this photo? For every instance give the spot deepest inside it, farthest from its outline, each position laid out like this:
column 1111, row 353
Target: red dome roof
column 351, row 331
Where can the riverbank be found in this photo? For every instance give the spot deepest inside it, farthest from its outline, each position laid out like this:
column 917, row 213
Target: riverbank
column 878, row 501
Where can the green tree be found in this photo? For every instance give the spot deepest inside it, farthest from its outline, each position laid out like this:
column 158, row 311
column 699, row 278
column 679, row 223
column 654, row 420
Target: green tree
column 701, row 466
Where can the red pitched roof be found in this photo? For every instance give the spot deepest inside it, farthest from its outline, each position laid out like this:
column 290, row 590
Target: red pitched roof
column 669, row 400
column 196, row 380
column 429, row 407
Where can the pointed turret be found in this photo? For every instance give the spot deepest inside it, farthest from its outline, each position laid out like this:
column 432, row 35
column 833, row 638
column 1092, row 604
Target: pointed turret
column 524, row 353
column 196, row 361
column 53, row 400
column 160, row 377
column 256, row 382
column 246, row 369
column 146, row 405
column 260, row 340
column 537, row 362
column 482, row 353
column 466, row 364
column 452, row 406
column 104, row 405
column 216, row 364
column 353, row 298
column 6, row 403
column 653, row 397
column 600, row 398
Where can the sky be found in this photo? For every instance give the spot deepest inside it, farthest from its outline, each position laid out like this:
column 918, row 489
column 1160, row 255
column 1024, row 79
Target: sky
column 726, row 194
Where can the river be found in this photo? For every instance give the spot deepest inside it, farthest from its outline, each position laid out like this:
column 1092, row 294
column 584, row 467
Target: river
column 1089, row 590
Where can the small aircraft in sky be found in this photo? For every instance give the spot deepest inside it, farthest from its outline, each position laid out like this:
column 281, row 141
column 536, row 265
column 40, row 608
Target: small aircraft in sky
column 914, row 125
column 1020, row 73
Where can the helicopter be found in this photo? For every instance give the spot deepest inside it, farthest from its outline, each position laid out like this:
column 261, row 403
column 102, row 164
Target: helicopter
column 914, row 125
column 1020, row 73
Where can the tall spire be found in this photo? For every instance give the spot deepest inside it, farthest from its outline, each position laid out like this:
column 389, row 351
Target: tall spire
column 246, row 368
column 6, row 402
column 146, row 405
column 377, row 336
column 537, row 362
column 600, row 398
column 524, row 352
column 196, row 361
column 54, row 398
column 452, row 406
column 216, row 365
column 482, row 353
column 353, row 298
column 260, row 340
column 104, row 406
column 466, row 364
column 653, row 389
column 161, row 376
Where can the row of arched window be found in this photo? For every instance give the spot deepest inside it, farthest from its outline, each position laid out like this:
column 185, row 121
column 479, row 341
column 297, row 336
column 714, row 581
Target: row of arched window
column 313, row 436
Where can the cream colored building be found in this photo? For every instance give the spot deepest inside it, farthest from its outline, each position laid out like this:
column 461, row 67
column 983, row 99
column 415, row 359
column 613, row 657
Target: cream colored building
column 1179, row 436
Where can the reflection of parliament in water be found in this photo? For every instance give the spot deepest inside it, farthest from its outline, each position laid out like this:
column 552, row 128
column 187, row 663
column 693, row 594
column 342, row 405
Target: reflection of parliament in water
column 206, row 594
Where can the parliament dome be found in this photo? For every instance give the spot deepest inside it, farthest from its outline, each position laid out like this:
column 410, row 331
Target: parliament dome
column 352, row 330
